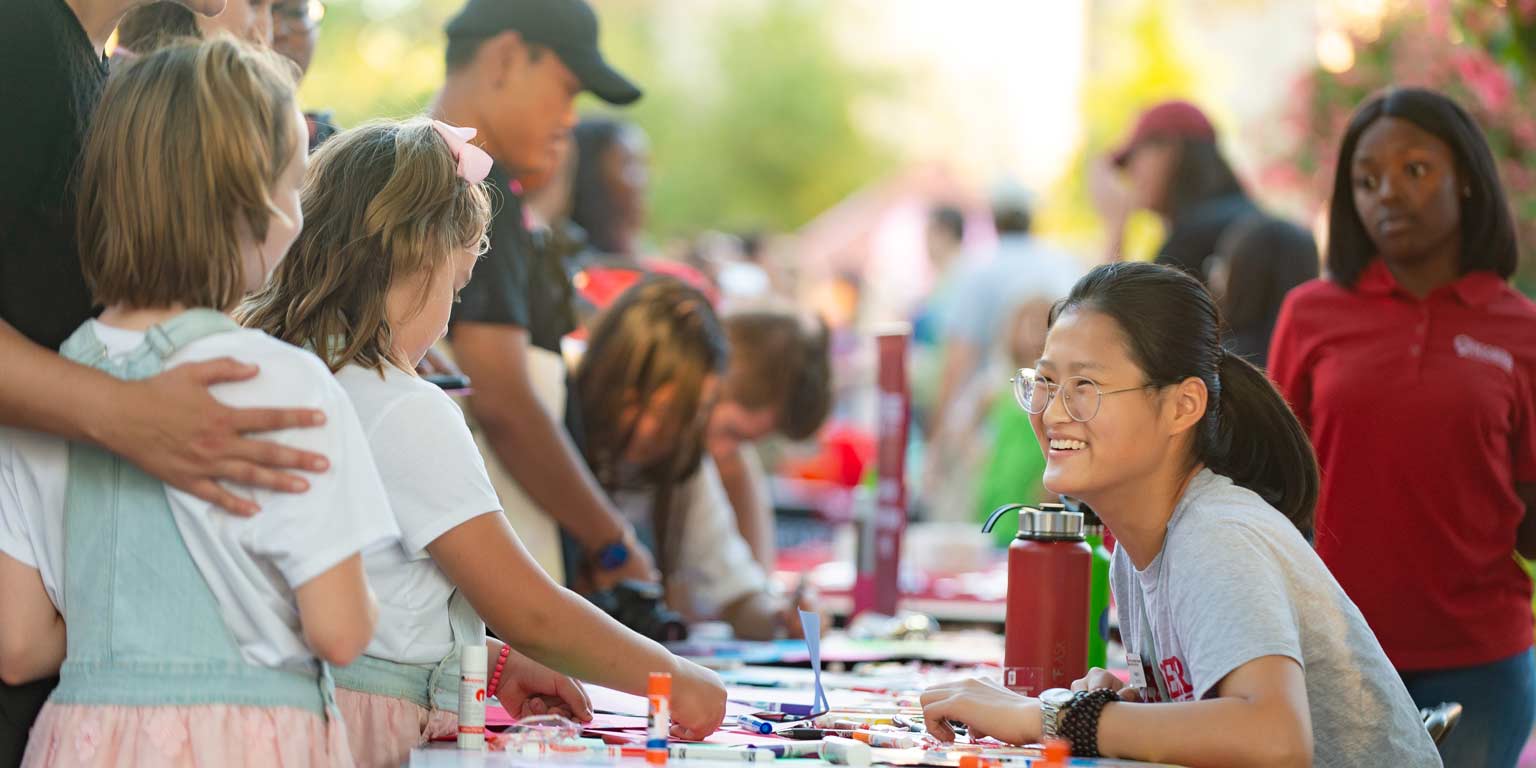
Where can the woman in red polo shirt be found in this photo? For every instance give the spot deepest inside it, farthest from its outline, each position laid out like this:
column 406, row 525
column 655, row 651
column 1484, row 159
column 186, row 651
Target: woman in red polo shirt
column 1411, row 365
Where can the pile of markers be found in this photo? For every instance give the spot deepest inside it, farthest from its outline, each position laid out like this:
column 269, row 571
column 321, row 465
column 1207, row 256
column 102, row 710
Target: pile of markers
column 850, row 736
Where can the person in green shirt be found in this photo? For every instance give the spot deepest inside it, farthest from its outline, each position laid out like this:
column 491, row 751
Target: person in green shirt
column 1013, row 467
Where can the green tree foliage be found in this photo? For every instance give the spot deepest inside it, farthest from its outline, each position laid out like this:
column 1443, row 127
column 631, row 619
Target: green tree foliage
column 759, row 132
column 377, row 58
column 751, row 125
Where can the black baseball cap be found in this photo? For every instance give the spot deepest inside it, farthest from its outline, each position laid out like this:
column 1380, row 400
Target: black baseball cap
column 567, row 27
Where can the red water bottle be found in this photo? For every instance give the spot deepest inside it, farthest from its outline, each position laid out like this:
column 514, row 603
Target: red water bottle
column 1049, row 565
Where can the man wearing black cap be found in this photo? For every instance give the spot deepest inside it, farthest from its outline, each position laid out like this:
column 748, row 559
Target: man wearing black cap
column 514, row 70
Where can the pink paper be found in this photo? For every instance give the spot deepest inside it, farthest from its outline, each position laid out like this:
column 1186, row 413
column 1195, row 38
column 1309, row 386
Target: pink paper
column 618, row 702
column 631, row 710
column 609, row 700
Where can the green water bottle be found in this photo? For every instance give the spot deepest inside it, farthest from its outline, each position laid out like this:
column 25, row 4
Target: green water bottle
column 1098, row 584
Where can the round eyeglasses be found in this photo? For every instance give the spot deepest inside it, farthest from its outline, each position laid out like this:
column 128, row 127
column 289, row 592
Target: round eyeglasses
column 1081, row 400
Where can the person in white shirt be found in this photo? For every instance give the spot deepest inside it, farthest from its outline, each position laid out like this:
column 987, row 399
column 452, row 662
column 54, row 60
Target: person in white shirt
column 188, row 629
column 397, row 216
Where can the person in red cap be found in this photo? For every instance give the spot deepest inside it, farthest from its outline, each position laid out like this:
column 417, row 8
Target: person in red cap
column 1170, row 165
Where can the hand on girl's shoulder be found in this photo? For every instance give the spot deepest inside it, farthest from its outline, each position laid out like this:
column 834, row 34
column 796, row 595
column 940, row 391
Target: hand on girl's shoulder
column 289, row 377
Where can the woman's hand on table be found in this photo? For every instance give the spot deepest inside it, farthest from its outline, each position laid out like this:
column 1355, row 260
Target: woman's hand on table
column 528, row 688
column 1102, row 678
column 698, row 701
column 983, row 706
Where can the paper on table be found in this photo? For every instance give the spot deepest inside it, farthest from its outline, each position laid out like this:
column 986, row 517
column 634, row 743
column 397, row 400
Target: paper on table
column 616, row 702
column 620, row 703
column 798, row 695
column 613, row 710
column 724, row 737
column 496, row 715
column 890, row 676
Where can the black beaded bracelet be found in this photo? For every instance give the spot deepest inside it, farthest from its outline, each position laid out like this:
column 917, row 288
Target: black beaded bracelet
column 1080, row 723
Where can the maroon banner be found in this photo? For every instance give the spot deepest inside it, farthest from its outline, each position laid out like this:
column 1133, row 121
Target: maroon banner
column 878, row 588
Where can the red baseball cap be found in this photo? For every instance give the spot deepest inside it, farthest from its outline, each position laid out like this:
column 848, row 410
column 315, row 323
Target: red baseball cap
column 1168, row 120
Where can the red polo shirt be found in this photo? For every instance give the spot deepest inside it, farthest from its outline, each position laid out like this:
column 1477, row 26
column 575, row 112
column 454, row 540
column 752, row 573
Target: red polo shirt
column 1421, row 413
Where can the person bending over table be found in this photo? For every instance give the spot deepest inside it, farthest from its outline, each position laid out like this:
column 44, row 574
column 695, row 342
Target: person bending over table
column 648, row 382
column 778, row 381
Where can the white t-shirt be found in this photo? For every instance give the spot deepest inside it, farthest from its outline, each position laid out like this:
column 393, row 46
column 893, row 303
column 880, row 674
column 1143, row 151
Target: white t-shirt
column 1235, row 581
column 715, row 567
column 436, row 481
column 251, row 564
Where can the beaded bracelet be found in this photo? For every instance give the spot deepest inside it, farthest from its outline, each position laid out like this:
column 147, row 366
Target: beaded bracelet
column 501, row 661
column 1080, row 723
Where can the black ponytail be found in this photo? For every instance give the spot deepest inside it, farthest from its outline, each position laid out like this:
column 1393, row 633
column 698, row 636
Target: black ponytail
column 1173, row 331
column 1258, row 442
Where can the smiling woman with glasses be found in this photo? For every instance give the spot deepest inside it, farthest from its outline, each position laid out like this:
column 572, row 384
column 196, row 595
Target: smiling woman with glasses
column 1231, row 623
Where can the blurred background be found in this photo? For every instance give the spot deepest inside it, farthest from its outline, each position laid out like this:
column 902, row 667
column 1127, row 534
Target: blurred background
column 797, row 148
column 811, row 152
column 784, row 117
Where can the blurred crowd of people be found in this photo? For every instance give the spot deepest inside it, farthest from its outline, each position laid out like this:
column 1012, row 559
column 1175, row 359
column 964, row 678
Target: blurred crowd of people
column 619, row 396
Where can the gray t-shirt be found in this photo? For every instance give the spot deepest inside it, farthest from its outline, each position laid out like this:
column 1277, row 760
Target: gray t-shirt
column 1235, row 582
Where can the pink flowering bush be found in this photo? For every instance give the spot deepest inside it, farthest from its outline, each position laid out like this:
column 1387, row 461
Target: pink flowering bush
column 1477, row 52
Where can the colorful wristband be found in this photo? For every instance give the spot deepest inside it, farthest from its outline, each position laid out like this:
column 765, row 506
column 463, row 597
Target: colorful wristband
column 501, row 661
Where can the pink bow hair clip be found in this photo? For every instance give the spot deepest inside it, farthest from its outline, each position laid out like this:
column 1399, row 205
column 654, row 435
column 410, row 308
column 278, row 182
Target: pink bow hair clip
column 474, row 163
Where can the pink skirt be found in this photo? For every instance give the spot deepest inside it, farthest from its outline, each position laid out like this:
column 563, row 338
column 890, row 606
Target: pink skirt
column 69, row 735
column 383, row 729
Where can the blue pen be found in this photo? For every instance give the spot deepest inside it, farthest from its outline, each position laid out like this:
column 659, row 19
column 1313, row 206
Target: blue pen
column 754, row 724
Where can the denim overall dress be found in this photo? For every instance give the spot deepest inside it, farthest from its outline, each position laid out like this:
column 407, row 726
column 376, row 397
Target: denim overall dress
column 433, row 687
column 144, row 628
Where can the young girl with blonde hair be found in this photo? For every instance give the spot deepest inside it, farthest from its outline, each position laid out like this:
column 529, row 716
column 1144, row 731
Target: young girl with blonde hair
column 194, row 637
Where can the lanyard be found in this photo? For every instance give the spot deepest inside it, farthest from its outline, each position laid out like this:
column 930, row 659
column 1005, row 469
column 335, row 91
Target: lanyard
column 1145, row 662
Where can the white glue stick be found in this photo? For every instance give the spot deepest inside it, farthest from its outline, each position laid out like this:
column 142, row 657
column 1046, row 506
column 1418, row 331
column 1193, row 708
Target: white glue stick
column 472, row 697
